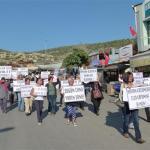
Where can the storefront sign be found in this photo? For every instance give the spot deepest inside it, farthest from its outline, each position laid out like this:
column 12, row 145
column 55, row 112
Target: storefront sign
column 125, row 53
column 74, row 94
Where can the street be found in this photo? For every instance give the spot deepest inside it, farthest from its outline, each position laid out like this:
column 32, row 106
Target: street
column 103, row 132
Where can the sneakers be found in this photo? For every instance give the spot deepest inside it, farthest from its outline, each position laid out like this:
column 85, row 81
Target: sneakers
column 126, row 135
column 75, row 124
column 140, row 141
column 39, row 123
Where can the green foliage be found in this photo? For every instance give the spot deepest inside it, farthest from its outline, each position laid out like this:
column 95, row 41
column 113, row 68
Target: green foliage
column 77, row 58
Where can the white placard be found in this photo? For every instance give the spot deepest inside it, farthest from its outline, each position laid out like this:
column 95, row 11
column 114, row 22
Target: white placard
column 74, row 93
column 125, row 52
column 45, row 82
column 23, row 71
column 146, row 81
column 26, row 90
column 40, row 91
column 138, row 78
column 5, row 71
column 17, row 85
column 88, row 75
column 33, row 83
column 65, row 83
column 45, row 74
column 139, row 97
column 125, row 96
column 14, row 74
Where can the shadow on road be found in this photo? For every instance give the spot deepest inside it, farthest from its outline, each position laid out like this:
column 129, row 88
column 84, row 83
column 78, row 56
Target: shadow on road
column 114, row 119
column 6, row 129
column 11, row 107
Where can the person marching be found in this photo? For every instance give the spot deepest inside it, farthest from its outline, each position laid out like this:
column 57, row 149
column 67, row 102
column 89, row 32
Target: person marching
column 131, row 113
column 96, row 96
column 71, row 107
column 51, row 95
column 28, row 100
column 3, row 95
column 38, row 100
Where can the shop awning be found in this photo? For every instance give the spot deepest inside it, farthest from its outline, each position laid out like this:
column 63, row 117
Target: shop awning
column 140, row 60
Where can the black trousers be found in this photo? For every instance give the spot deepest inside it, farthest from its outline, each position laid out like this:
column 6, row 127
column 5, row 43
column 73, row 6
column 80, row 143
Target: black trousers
column 147, row 111
column 61, row 98
column 39, row 107
column 96, row 104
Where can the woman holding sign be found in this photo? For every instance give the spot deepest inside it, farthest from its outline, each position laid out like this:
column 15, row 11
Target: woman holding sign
column 131, row 113
column 38, row 99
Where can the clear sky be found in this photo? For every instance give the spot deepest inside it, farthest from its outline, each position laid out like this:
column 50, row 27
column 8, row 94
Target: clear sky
column 38, row 24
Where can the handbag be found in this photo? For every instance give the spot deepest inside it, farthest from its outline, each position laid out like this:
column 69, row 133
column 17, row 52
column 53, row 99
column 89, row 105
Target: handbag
column 97, row 94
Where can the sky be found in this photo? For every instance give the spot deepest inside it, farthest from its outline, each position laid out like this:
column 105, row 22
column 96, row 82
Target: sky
column 29, row 25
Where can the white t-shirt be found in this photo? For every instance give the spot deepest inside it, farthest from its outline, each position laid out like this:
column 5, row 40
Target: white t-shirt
column 38, row 98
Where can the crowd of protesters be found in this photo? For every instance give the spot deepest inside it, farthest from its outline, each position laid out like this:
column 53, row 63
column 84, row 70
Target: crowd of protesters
column 54, row 89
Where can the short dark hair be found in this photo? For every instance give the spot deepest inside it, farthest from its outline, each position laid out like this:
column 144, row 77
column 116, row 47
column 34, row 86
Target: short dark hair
column 50, row 77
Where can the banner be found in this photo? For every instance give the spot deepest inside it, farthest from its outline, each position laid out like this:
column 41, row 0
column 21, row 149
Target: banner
column 146, row 81
column 5, row 71
column 17, row 85
column 45, row 74
column 139, row 97
column 74, row 93
column 138, row 78
column 125, row 53
column 14, row 74
column 23, row 71
column 88, row 75
column 26, row 90
column 40, row 91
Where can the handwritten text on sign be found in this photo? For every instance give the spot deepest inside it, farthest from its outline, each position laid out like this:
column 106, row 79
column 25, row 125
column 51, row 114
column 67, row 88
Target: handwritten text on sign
column 74, row 93
column 5, row 71
column 146, row 81
column 138, row 78
column 23, row 71
column 88, row 75
column 139, row 97
column 40, row 91
column 17, row 85
column 26, row 90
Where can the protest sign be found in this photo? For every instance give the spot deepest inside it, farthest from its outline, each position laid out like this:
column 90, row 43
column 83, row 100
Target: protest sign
column 146, row 81
column 74, row 93
column 45, row 74
column 138, row 78
column 33, row 83
column 17, row 85
column 40, row 91
column 26, row 90
column 88, row 75
column 23, row 71
column 14, row 74
column 139, row 97
column 5, row 71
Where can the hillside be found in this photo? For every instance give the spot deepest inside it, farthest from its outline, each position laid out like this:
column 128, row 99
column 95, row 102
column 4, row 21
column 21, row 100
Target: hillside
column 56, row 55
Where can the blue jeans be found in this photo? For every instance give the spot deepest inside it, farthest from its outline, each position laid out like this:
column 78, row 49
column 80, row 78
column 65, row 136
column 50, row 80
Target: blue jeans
column 52, row 103
column 134, row 115
column 20, row 102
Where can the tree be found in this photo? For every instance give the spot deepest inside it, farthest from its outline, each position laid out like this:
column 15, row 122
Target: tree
column 77, row 58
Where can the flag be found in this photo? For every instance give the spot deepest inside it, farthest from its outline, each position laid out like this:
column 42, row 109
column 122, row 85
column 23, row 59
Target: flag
column 132, row 31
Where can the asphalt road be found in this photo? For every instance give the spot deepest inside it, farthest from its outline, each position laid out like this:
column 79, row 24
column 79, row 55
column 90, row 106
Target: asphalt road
column 19, row 132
